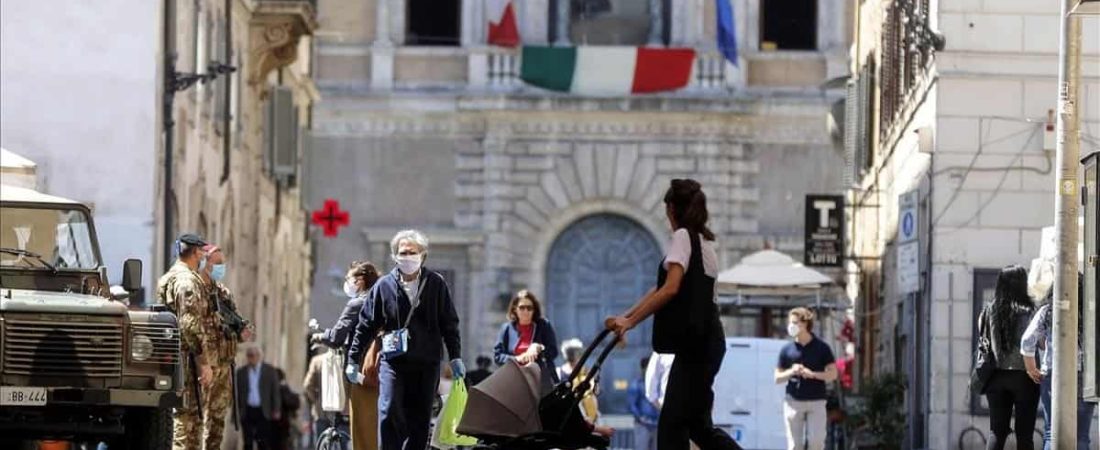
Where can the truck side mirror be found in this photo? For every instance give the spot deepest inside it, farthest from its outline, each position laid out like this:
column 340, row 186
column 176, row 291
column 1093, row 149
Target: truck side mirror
column 131, row 275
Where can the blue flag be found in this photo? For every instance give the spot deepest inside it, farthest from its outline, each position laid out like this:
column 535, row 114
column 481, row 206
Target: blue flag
column 727, row 34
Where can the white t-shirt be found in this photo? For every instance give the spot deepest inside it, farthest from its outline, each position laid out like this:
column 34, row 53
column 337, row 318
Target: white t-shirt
column 656, row 376
column 679, row 251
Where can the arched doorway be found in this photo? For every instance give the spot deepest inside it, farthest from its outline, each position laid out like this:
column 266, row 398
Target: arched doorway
column 597, row 267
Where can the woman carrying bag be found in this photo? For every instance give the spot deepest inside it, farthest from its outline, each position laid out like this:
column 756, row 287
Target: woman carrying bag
column 527, row 338
column 686, row 323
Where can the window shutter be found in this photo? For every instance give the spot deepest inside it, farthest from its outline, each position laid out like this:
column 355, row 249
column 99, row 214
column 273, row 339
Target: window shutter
column 863, row 128
column 285, row 129
column 851, row 129
column 269, row 134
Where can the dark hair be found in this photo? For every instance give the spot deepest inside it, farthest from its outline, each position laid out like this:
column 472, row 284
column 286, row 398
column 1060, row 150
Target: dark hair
column 366, row 270
column 1010, row 299
column 688, row 205
column 803, row 315
column 186, row 250
column 521, row 295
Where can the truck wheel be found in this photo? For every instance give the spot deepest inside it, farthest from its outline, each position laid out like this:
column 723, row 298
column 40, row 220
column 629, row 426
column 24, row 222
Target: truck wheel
column 148, row 428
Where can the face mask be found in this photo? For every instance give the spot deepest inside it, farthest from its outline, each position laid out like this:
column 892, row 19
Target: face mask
column 850, row 348
column 350, row 289
column 792, row 329
column 408, row 265
column 217, row 272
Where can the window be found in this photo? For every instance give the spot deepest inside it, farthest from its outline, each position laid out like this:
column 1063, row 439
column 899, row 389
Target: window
column 985, row 283
column 609, row 22
column 433, row 22
column 788, row 24
column 903, row 60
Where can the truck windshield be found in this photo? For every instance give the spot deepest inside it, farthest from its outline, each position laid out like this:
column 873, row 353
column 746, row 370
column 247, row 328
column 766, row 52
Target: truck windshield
column 61, row 237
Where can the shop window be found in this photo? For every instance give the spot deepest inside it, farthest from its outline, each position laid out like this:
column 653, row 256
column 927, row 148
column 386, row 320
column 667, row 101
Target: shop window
column 433, row 22
column 788, row 24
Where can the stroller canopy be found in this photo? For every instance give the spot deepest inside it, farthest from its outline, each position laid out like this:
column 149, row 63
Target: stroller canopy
column 504, row 405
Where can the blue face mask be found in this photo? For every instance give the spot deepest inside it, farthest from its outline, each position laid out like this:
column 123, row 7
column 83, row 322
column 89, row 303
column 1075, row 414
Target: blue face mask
column 217, row 272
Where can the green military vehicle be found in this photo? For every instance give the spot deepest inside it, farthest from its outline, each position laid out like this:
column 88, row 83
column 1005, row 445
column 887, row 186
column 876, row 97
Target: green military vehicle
column 76, row 361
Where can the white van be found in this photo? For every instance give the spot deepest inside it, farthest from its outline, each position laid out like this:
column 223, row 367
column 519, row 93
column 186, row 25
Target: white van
column 747, row 402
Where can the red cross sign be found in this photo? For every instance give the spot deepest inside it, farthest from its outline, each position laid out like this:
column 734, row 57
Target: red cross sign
column 331, row 218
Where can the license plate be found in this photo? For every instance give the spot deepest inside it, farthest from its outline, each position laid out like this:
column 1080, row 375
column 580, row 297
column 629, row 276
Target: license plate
column 22, row 396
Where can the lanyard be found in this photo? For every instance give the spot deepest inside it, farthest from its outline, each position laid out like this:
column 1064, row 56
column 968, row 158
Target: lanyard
column 419, row 290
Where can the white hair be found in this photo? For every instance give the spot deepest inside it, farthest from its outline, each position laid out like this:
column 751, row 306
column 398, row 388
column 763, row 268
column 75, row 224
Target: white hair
column 414, row 236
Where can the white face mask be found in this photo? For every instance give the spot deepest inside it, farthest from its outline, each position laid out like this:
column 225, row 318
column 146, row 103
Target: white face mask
column 409, row 265
column 792, row 329
column 850, row 348
column 350, row 289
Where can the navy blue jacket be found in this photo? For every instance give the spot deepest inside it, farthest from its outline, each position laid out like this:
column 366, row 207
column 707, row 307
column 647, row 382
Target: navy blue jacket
column 339, row 336
column 433, row 324
column 508, row 337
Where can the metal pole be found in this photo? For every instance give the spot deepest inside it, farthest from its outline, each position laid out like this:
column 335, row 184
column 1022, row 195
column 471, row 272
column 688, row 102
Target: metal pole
column 168, row 99
column 1066, row 201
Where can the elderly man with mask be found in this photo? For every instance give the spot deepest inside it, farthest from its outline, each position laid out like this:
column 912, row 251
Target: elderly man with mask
column 412, row 308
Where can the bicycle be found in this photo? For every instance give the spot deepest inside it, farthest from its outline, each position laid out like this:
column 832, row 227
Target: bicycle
column 334, row 437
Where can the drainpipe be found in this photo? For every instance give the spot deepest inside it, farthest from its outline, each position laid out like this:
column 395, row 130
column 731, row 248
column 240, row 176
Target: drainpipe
column 226, row 115
column 169, row 124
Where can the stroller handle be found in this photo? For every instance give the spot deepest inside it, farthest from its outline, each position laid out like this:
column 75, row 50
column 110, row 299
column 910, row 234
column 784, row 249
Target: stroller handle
column 595, row 370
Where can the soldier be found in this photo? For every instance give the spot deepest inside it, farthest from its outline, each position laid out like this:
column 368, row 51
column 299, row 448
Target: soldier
column 183, row 291
column 231, row 330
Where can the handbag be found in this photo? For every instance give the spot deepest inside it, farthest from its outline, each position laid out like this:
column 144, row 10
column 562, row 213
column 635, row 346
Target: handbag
column 333, row 397
column 985, row 362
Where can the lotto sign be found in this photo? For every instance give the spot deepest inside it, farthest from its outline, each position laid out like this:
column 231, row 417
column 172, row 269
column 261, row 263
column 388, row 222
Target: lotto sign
column 824, row 244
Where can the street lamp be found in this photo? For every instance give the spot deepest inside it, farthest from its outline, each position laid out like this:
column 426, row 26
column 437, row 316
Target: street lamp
column 1091, row 165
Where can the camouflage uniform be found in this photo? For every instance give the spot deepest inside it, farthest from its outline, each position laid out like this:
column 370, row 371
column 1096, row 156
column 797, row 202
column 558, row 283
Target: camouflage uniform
column 218, row 396
column 182, row 289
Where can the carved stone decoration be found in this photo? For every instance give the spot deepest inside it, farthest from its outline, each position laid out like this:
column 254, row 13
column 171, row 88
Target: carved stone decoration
column 275, row 30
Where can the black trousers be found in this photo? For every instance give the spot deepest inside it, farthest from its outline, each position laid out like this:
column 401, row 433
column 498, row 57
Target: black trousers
column 689, row 397
column 1012, row 393
column 258, row 431
column 405, row 396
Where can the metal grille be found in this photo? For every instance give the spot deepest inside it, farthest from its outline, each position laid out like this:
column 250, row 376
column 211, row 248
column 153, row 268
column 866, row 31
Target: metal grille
column 165, row 338
column 47, row 348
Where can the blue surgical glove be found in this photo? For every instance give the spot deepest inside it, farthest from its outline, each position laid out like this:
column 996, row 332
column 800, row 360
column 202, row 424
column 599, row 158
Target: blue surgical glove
column 353, row 374
column 458, row 369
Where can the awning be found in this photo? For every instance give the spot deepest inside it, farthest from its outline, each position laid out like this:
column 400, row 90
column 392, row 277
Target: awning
column 769, row 268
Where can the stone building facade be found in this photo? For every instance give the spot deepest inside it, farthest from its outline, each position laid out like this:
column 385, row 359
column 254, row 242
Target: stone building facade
column 964, row 129
column 226, row 184
column 561, row 194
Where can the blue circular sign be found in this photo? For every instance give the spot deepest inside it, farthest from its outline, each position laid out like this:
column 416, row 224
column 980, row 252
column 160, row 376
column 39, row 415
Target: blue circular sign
column 907, row 224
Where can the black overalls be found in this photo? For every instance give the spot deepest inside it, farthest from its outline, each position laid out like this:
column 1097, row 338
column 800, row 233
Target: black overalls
column 688, row 327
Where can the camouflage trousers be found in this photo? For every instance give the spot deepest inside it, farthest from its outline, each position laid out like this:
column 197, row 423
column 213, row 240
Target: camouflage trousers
column 189, row 432
column 215, row 403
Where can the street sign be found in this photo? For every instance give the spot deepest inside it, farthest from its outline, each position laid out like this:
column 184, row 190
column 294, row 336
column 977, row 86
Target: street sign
column 908, row 243
column 824, row 245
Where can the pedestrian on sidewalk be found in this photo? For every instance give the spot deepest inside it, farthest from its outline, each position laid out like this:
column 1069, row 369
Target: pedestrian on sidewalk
column 413, row 309
column 1038, row 337
column 1010, row 390
column 527, row 337
column 572, row 349
column 645, row 412
column 260, row 398
column 806, row 364
column 686, row 323
column 481, row 373
column 362, row 398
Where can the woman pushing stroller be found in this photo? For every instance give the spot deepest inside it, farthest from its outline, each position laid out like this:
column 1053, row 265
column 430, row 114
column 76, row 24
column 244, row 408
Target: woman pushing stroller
column 685, row 295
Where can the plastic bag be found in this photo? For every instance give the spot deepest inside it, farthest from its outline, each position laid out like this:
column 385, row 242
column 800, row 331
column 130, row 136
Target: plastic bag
column 332, row 382
column 445, row 435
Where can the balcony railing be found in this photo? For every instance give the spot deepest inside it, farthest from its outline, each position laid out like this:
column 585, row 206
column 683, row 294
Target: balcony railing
column 498, row 69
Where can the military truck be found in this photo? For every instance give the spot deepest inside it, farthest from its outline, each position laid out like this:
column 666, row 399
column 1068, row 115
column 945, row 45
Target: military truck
column 76, row 361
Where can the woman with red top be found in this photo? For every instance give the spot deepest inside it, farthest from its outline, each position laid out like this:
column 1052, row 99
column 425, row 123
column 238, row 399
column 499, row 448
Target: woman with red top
column 528, row 338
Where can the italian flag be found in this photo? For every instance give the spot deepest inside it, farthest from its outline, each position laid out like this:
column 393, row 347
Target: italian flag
column 607, row 71
column 502, row 23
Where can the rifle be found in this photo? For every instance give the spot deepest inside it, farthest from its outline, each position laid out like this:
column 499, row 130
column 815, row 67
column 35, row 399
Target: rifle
column 194, row 366
column 233, row 390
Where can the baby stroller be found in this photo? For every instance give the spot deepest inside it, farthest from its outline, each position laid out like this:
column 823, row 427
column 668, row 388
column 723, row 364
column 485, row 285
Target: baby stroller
column 507, row 412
